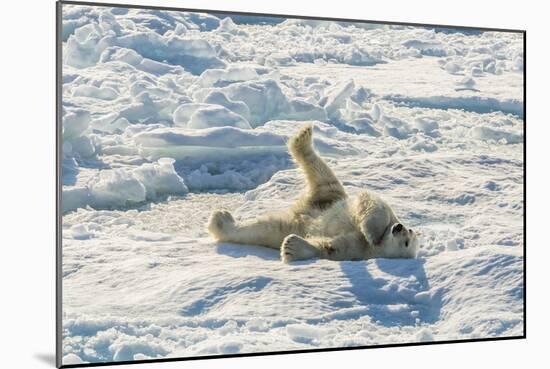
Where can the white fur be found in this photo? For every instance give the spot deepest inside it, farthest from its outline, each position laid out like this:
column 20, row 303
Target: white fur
column 324, row 222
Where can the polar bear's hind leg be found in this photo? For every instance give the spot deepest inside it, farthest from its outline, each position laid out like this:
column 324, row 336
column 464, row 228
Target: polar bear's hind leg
column 323, row 187
column 268, row 231
column 295, row 247
column 221, row 224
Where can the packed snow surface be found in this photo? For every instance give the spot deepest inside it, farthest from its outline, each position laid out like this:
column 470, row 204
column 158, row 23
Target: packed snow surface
column 168, row 116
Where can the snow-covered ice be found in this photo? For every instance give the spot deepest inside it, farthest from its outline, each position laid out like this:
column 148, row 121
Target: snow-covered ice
column 168, row 116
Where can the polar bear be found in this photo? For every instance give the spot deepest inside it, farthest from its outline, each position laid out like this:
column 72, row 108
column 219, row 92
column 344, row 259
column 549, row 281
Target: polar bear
column 324, row 222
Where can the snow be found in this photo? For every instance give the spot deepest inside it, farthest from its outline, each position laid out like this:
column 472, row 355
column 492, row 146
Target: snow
column 488, row 133
column 168, row 116
column 216, row 116
column 72, row 359
column 213, row 77
column 215, row 137
column 85, row 46
column 265, row 99
column 237, row 107
column 121, row 187
column 95, row 92
column 338, row 96
column 75, row 123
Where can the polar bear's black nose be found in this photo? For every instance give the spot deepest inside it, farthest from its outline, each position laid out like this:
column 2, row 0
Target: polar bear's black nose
column 397, row 228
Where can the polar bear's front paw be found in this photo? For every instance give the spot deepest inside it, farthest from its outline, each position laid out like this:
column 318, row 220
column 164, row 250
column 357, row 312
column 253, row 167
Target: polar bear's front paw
column 221, row 223
column 301, row 141
column 296, row 248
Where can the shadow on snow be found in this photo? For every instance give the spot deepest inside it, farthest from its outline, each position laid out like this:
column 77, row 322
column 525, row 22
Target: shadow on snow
column 394, row 304
column 402, row 298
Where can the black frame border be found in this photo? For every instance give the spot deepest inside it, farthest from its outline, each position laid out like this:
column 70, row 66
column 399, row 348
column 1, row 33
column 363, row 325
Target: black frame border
column 58, row 125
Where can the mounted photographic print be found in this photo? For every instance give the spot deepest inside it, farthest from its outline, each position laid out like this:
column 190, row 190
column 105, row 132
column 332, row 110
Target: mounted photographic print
column 234, row 184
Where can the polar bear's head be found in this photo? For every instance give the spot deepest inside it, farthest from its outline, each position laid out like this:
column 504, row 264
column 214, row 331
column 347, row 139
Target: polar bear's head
column 399, row 242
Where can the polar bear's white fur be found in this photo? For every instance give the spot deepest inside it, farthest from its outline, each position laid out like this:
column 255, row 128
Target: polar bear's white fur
column 324, row 222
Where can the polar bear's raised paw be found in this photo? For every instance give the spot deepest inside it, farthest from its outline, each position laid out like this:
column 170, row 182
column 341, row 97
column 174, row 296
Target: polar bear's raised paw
column 221, row 223
column 296, row 248
column 301, row 142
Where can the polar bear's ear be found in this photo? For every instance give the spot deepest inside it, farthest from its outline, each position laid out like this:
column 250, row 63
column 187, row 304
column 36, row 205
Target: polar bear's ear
column 398, row 227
